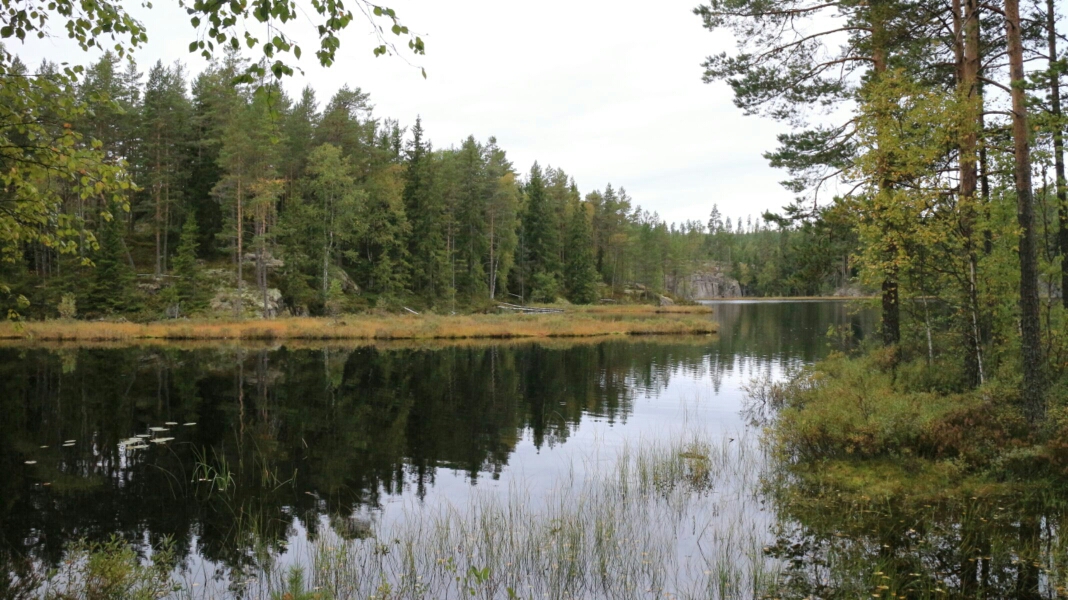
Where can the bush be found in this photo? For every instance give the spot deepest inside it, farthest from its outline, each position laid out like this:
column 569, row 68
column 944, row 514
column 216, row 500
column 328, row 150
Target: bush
column 544, row 288
column 68, row 306
column 852, row 407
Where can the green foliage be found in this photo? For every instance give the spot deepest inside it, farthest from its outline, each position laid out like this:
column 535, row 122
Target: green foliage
column 112, row 570
column 580, row 271
column 112, row 287
column 68, row 307
column 540, row 235
column 875, row 407
column 292, row 197
column 544, row 287
column 428, row 246
column 295, row 588
column 190, row 287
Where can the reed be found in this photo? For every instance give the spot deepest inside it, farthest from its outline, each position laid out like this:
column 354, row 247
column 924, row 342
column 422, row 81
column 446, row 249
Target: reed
column 679, row 518
column 675, row 519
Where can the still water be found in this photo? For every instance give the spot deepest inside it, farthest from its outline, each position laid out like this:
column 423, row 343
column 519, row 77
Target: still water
column 305, row 441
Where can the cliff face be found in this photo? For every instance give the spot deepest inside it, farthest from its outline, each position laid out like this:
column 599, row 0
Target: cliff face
column 705, row 283
column 713, row 285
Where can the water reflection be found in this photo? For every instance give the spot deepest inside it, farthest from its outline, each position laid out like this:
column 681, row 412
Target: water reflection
column 286, row 440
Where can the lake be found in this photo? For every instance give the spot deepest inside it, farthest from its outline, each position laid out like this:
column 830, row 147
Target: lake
column 254, row 459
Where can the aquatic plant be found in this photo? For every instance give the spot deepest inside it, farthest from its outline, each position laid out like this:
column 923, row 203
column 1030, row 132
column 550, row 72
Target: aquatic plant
column 680, row 518
column 112, row 570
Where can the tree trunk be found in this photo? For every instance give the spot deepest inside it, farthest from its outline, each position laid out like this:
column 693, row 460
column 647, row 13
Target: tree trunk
column 166, row 225
column 492, row 264
column 891, row 319
column 238, row 304
column 1032, row 392
column 1058, row 147
column 326, row 269
column 967, row 28
column 159, row 209
column 261, row 262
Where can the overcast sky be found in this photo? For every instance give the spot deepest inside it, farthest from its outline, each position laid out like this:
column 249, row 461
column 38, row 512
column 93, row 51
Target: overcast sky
column 608, row 91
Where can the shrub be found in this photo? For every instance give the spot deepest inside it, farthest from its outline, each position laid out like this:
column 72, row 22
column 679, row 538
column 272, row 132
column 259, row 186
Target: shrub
column 68, row 306
column 851, row 407
column 112, row 570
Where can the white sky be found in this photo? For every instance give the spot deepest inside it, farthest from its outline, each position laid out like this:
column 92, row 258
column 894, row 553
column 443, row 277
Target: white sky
column 608, row 91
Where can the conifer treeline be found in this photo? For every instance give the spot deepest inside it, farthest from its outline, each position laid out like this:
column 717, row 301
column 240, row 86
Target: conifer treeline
column 338, row 209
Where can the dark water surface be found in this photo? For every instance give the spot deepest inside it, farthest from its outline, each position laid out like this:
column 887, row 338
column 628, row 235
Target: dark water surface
column 310, row 438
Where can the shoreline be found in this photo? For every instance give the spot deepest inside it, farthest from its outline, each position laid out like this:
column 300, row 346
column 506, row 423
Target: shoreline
column 742, row 299
column 576, row 322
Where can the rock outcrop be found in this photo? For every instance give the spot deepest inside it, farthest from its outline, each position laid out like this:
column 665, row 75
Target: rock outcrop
column 251, row 302
column 706, row 283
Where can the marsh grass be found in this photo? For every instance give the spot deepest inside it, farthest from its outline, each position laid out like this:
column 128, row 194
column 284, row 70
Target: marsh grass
column 575, row 322
column 678, row 519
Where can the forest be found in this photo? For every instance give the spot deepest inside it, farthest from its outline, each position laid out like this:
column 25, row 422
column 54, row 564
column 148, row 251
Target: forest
column 312, row 207
column 926, row 159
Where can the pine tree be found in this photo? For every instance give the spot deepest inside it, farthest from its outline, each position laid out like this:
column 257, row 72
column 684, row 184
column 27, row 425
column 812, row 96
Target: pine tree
column 164, row 140
column 580, row 269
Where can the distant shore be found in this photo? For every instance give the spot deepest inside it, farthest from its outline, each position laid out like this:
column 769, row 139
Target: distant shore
column 574, row 322
column 785, row 298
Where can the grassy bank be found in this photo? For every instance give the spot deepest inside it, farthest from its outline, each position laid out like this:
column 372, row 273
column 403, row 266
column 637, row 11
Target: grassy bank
column 872, row 409
column 550, row 343
column 574, row 322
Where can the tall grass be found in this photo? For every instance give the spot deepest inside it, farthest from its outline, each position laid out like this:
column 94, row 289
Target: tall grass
column 677, row 519
column 680, row 518
column 584, row 322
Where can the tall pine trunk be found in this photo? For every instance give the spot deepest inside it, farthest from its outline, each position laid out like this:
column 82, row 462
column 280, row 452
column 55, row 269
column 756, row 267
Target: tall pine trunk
column 891, row 318
column 966, row 22
column 492, row 253
column 1058, row 147
column 238, row 304
column 158, row 188
column 1032, row 392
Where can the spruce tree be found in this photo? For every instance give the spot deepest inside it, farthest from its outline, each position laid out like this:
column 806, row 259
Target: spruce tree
column 580, row 269
column 471, row 247
column 112, row 289
column 190, row 287
column 425, row 210
column 541, row 239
